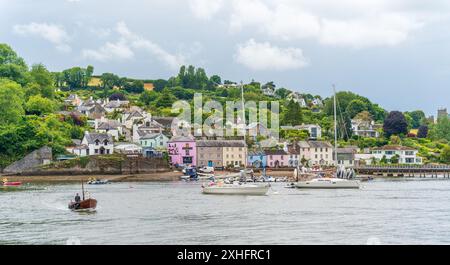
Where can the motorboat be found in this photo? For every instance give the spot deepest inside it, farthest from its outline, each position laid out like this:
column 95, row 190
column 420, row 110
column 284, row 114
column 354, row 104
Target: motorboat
column 206, row 169
column 98, row 181
column 85, row 204
column 328, row 183
column 236, row 188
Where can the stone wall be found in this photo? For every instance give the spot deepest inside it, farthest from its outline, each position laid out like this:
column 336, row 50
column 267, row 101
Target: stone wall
column 100, row 165
column 31, row 161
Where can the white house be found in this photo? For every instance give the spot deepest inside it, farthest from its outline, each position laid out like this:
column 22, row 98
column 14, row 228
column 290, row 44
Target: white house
column 128, row 148
column 317, row 102
column 406, row 155
column 296, row 97
column 268, row 91
column 314, row 130
column 112, row 127
column 364, row 128
column 95, row 144
column 116, row 105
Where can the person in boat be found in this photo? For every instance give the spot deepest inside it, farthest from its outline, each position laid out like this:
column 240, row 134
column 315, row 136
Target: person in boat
column 77, row 198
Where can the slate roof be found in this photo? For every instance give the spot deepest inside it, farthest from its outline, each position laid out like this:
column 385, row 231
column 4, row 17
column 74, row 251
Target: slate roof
column 164, row 121
column 92, row 137
column 275, row 152
column 109, row 125
column 221, row 143
column 394, row 147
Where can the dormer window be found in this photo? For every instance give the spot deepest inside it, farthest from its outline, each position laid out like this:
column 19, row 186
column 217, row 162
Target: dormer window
column 105, row 142
column 97, row 142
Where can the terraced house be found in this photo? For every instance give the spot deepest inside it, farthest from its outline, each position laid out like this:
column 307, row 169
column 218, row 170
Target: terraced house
column 234, row 153
column 316, row 152
column 210, row 153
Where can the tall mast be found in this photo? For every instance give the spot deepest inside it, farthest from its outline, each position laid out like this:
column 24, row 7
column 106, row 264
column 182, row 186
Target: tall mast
column 243, row 119
column 243, row 109
column 335, row 127
column 82, row 188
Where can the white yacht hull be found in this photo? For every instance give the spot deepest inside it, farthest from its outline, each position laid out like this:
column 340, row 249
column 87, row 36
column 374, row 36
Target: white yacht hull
column 230, row 189
column 329, row 184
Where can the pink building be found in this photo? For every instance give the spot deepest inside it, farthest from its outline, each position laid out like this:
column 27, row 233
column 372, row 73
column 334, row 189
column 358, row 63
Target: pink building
column 182, row 150
column 277, row 158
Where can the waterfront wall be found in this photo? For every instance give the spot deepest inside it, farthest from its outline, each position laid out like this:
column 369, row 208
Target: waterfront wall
column 31, row 161
column 101, row 165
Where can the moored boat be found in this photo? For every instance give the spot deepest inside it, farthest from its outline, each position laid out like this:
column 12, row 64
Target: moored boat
column 98, row 181
column 328, row 183
column 236, row 189
column 6, row 183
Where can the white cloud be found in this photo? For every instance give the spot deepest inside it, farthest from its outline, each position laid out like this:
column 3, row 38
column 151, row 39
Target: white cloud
column 264, row 56
column 386, row 30
column 50, row 32
column 350, row 23
column 126, row 46
column 205, row 9
column 108, row 51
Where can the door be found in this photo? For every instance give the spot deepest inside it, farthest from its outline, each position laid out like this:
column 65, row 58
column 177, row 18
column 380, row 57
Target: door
column 210, row 163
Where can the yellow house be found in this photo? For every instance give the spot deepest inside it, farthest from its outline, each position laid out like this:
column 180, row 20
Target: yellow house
column 234, row 153
column 148, row 86
column 95, row 81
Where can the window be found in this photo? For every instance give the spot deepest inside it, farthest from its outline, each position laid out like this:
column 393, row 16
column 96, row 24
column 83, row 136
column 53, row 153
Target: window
column 97, row 142
column 96, row 151
column 107, row 151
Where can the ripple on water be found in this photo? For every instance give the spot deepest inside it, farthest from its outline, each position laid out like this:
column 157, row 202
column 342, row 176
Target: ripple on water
column 394, row 212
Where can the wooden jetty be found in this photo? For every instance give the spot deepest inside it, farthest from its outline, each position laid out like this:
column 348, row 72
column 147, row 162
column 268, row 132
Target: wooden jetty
column 420, row 171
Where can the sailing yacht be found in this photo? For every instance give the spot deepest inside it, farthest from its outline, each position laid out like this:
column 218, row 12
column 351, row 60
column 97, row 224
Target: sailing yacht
column 237, row 187
column 334, row 182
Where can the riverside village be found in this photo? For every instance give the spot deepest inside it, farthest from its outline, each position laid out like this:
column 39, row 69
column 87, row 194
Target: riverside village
column 160, row 152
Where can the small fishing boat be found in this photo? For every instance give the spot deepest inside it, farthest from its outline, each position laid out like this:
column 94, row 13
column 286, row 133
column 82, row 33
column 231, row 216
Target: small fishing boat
column 88, row 204
column 6, row 183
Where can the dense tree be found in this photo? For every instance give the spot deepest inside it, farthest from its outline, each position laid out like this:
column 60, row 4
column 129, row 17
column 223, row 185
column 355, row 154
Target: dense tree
column 165, row 99
column 293, row 114
column 159, row 84
column 11, row 101
column 445, row 155
column 148, row 97
column 356, row 106
column 12, row 66
column 282, row 92
column 77, row 77
column 136, row 86
column 395, row 123
column 38, row 105
column 441, row 130
column 417, row 118
column 422, row 132
column 215, row 79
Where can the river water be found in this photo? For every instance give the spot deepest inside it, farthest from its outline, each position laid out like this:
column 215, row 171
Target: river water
column 384, row 211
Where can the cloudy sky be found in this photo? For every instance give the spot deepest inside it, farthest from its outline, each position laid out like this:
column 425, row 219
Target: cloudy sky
column 395, row 52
